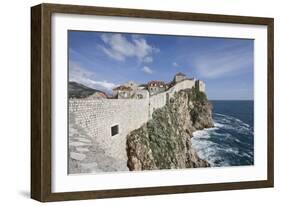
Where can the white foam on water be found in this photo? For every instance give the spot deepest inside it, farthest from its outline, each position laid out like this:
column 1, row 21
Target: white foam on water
column 244, row 154
column 216, row 124
column 220, row 114
column 231, row 150
column 231, row 123
column 211, row 151
column 201, row 134
column 205, row 150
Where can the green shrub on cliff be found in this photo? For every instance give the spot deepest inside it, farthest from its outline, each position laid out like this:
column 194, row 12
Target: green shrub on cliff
column 197, row 96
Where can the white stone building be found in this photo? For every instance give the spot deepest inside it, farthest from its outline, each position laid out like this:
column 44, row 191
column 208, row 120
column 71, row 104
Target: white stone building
column 155, row 87
column 179, row 77
column 122, row 92
column 201, row 86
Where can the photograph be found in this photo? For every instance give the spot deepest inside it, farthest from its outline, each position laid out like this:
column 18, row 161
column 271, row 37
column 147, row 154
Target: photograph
column 139, row 102
column 134, row 102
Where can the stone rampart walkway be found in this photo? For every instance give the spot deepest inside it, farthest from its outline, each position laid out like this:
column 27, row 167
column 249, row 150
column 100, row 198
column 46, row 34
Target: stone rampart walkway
column 85, row 155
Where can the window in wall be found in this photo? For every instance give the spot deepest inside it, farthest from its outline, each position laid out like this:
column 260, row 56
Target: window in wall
column 114, row 130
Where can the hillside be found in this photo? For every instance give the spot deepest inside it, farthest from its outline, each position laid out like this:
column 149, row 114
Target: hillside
column 165, row 141
column 77, row 90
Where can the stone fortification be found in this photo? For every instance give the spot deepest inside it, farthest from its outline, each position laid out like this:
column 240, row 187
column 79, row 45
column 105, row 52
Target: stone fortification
column 109, row 121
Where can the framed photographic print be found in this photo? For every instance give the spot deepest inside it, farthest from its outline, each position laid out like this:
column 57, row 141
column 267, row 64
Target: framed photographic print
column 132, row 102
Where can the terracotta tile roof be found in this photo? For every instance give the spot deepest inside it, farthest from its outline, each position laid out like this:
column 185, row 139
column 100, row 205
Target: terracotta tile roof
column 156, row 83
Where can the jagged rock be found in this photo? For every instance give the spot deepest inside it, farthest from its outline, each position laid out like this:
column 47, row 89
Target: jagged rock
column 165, row 141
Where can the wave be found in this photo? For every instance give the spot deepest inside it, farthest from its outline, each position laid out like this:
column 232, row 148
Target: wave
column 230, row 142
column 231, row 123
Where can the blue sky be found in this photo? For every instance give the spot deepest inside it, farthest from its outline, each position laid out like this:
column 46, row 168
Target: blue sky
column 105, row 60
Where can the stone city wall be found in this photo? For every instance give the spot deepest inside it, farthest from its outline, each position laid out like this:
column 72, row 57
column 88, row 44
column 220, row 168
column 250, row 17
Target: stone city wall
column 156, row 101
column 99, row 115
column 186, row 84
column 202, row 86
column 159, row 100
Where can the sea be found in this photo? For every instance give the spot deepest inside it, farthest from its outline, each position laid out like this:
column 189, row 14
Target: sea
column 231, row 141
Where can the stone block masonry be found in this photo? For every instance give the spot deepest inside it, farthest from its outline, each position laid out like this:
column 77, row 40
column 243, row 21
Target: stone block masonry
column 98, row 116
column 159, row 100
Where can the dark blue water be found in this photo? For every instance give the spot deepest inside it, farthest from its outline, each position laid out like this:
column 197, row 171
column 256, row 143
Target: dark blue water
column 231, row 141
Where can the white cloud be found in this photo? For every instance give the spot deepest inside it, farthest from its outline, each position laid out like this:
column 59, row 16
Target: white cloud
column 119, row 47
column 104, row 84
column 77, row 73
column 83, row 76
column 147, row 70
column 148, row 59
column 175, row 64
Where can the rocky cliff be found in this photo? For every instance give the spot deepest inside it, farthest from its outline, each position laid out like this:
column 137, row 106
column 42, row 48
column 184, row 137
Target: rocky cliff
column 165, row 141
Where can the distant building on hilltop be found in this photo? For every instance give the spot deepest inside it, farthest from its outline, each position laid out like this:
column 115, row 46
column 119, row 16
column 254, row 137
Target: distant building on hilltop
column 131, row 84
column 122, row 92
column 97, row 95
column 179, row 77
column 155, row 87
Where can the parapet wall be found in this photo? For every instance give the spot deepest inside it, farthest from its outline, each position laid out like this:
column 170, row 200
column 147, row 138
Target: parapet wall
column 186, row 84
column 159, row 100
column 99, row 115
